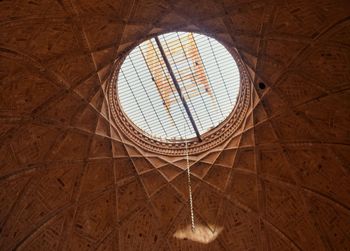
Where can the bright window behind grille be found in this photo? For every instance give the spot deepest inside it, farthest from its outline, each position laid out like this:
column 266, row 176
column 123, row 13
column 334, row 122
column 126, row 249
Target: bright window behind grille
column 205, row 71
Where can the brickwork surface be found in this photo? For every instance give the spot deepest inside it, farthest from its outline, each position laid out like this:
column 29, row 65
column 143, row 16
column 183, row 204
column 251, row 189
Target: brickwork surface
column 71, row 180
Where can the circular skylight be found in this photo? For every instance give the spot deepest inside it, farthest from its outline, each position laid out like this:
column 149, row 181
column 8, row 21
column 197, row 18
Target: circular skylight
column 178, row 85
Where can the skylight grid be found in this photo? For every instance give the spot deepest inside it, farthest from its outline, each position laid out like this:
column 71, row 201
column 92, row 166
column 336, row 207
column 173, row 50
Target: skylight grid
column 177, row 115
column 184, row 74
column 205, row 72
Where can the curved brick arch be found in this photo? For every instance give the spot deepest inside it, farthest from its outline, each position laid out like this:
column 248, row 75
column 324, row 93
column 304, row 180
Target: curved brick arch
column 71, row 179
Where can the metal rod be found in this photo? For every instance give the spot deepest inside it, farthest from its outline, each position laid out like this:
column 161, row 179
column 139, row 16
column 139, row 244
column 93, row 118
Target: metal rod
column 178, row 89
column 182, row 79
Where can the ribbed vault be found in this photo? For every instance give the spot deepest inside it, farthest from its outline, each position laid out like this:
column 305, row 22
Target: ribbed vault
column 71, row 180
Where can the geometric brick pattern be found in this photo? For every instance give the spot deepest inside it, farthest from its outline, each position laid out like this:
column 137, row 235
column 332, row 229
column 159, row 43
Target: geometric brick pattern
column 71, row 180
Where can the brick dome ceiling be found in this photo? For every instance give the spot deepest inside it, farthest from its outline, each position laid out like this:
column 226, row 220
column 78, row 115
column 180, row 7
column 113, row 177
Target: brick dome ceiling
column 71, row 180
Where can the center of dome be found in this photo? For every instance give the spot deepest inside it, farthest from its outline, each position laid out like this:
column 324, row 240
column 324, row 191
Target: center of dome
column 178, row 85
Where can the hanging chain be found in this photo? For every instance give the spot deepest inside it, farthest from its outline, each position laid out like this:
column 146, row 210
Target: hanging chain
column 190, row 188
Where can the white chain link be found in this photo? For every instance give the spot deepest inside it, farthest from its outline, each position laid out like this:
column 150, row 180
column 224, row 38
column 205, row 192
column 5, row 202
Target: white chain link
column 190, row 188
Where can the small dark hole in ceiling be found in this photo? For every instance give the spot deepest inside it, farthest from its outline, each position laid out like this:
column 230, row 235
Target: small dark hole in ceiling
column 262, row 86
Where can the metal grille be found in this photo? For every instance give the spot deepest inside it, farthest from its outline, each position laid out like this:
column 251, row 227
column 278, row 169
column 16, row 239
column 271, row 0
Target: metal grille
column 205, row 71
